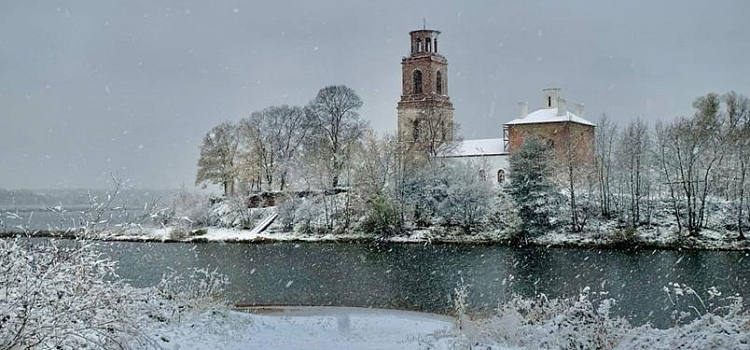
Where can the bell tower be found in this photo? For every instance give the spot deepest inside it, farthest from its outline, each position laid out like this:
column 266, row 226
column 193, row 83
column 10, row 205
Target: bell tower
column 425, row 105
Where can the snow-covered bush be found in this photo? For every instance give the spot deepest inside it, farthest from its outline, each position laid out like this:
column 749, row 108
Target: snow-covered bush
column 467, row 198
column 564, row 323
column 232, row 212
column 190, row 210
column 55, row 297
column 287, row 211
column 579, row 323
column 66, row 295
column 309, row 215
column 196, row 289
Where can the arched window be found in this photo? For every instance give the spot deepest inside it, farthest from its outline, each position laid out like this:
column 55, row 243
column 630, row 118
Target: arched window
column 427, row 42
column 482, row 175
column 417, row 81
column 419, row 45
column 439, row 83
column 549, row 101
column 415, row 130
column 435, row 45
column 500, row 176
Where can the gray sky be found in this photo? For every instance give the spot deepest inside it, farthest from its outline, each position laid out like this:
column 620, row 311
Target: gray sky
column 92, row 87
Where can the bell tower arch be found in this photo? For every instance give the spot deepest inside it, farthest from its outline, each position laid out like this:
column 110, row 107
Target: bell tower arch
column 424, row 89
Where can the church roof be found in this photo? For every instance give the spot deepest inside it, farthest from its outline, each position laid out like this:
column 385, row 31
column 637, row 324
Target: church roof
column 549, row 115
column 479, row 147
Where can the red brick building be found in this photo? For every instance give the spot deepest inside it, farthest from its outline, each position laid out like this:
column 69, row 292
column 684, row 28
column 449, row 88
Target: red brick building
column 424, row 103
column 569, row 135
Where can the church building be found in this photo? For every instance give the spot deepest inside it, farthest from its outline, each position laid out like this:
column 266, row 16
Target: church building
column 425, row 113
column 425, row 110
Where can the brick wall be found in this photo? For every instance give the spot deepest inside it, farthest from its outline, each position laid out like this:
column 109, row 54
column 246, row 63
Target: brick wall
column 561, row 136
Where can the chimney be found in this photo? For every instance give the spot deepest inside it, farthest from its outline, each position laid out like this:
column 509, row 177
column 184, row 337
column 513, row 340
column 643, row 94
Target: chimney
column 551, row 95
column 524, row 106
column 562, row 107
column 579, row 109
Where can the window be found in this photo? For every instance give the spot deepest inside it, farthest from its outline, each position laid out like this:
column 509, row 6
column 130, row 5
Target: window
column 549, row 101
column 439, row 83
column 415, row 130
column 417, row 81
column 427, row 43
column 419, row 45
column 500, row 176
column 482, row 175
column 434, row 47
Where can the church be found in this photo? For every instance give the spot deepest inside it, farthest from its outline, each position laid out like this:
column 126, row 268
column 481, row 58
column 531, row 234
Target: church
column 425, row 117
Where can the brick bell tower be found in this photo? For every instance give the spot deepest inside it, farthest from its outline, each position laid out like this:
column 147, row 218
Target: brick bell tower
column 424, row 95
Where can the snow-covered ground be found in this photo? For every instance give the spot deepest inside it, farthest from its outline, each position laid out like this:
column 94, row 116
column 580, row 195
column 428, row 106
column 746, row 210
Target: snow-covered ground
column 553, row 325
column 310, row 328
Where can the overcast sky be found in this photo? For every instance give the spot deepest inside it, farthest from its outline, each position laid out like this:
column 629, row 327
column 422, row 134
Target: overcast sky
column 92, row 87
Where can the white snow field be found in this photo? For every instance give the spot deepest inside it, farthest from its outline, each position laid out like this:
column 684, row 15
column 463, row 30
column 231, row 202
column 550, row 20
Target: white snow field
column 298, row 328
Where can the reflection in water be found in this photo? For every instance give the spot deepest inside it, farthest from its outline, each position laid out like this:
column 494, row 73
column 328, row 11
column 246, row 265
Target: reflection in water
column 423, row 277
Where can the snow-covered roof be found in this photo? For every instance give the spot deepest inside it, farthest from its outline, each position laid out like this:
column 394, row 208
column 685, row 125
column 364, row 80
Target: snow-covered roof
column 478, row 147
column 548, row 115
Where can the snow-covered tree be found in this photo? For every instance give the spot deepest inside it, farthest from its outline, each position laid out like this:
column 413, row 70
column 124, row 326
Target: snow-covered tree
column 337, row 127
column 375, row 183
column 467, row 198
column 633, row 149
column 689, row 152
column 531, row 186
column 738, row 113
column 272, row 139
column 605, row 140
column 217, row 159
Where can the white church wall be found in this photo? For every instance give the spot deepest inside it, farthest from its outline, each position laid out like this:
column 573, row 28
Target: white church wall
column 489, row 166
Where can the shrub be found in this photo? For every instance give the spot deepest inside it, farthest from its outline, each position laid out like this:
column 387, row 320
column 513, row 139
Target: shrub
column 383, row 217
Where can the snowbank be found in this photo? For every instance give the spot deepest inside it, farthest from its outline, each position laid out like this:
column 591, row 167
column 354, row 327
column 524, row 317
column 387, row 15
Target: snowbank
column 311, row 328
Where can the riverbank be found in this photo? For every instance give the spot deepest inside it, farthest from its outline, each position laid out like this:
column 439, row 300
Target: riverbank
column 597, row 238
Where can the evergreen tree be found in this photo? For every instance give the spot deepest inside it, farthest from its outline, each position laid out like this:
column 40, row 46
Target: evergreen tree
column 530, row 186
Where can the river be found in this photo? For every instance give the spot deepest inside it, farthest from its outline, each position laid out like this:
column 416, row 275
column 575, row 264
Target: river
column 423, row 277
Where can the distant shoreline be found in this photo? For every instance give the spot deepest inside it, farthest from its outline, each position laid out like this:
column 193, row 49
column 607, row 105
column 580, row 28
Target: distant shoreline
column 270, row 238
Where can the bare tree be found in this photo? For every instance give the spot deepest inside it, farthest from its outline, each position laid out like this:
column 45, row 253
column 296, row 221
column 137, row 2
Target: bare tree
column 689, row 151
column 738, row 114
column 377, row 182
column 578, row 175
column 434, row 132
column 334, row 116
column 272, row 139
column 376, row 164
column 605, row 140
column 632, row 153
column 217, row 159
